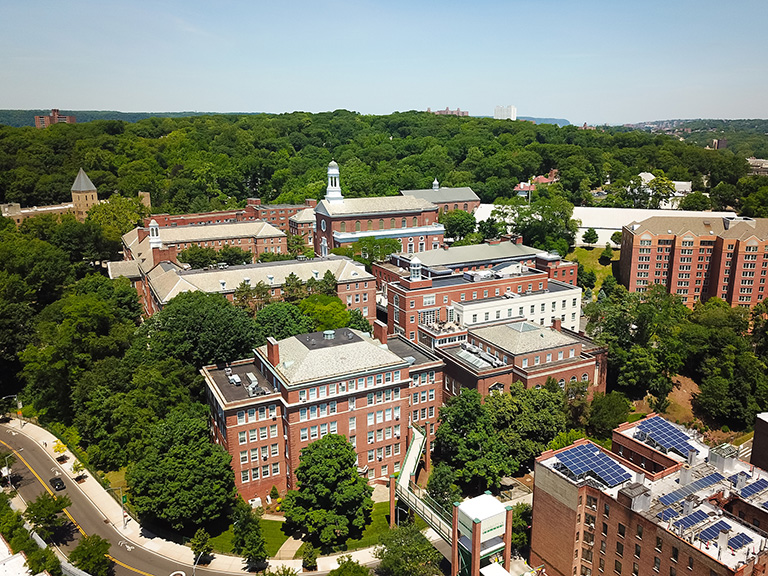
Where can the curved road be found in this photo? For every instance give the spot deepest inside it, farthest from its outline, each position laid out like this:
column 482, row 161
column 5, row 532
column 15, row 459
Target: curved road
column 31, row 472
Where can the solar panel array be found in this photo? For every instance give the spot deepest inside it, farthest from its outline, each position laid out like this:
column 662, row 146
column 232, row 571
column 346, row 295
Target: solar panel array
column 765, row 505
column 713, row 531
column 739, row 541
column 584, row 459
column 692, row 519
column 754, row 488
column 669, row 513
column 695, row 486
column 666, row 435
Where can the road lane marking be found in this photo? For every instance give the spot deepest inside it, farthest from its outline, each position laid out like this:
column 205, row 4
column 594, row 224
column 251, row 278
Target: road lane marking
column 124, row 565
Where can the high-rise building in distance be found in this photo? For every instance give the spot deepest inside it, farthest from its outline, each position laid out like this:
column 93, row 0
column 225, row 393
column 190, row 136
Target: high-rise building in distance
column 505, row 113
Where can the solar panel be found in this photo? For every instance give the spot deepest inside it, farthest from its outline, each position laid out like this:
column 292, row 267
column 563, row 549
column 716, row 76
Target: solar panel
column 713, row 531
column 754, row 488
column 669, row 513
column 739, row 541
column 695, row 486
column 765, row 505
column 692, row 519
column 587, row 459
column 666, row 435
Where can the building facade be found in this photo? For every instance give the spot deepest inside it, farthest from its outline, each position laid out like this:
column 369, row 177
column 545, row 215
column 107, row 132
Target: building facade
column 84, row 196
column 698, row 258
column 267, row 408
column 645, row 508
column 53, row 118
column 447, row 199
column 343, row 221
column 505, row 112
column 496, row 355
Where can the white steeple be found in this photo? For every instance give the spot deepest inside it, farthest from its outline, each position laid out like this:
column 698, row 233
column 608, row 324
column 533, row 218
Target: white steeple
column 154, row 235
column 435, row 185
column 333, row 192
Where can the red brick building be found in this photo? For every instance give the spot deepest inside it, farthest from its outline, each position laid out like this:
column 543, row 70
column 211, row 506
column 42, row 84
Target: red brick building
column 698, row 258
column 343, row 221
column 447, row 199
column 645, row 508
column 53, row 118
column 422, row 299
column 303, row 224
column 493, row 356
column 278, row 215
column 266, row 409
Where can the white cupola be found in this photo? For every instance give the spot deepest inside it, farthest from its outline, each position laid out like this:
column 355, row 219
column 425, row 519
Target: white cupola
column 333, row 192
column 415, row 268
column 435, row 185
column 154, row 235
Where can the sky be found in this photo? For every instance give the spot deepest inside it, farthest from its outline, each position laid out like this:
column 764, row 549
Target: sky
column 594, row 61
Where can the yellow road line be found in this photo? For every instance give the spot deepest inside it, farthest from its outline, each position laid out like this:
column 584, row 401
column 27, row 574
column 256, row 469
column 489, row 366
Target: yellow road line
column 20, row 457
column 129, row 567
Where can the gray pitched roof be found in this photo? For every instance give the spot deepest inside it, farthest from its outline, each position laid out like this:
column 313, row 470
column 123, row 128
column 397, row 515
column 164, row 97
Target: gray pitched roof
column 83, row 183
column 523, row 337
column 374, row 205
column 458, row 255
column 463, row 194
column 738, row 228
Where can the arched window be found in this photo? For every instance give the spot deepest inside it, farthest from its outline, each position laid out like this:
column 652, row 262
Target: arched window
column 381, row 224
column 404, row 223
column 392, row 223
column 465, row 206
column 455, row 206
column 357, row 226
column 343, row 226
column 370, row 224
column 415, row 221
column 573, row 378
column 561, row 383
column 585, row 377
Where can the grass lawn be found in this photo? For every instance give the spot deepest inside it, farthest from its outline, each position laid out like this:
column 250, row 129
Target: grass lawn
column 635, row 416
column 590, row 259
column 378, row 526
column 273, row 535
column 117, row 479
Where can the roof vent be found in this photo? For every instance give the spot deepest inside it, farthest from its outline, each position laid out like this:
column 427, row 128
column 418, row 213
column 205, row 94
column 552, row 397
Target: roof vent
column 271, row 278
column 409, row 359
column 223, row 284
column 247, row 281
column 329, row 334
column 316, row 274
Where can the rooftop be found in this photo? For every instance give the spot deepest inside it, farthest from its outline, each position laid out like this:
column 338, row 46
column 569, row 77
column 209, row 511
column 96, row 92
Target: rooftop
column 239, row 381
column 331, row 354
column 523, row 337
column 304, row 216
column 738, row 228
column 463, row 194
column 196, row 233
column 460, row 256
column 83, row 183
column 375, row 205
column 683, row 501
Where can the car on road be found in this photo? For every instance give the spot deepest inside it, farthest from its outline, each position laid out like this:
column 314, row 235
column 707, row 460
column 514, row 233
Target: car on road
column 57, row 483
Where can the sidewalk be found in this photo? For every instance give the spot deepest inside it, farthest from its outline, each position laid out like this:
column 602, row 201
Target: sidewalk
column 112, row 513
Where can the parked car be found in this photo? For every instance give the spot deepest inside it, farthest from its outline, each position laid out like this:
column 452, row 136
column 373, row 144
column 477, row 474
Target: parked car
column 57, row 483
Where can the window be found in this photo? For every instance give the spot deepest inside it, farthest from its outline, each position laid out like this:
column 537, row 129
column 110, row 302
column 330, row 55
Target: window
column 244, row 476
column 607, row 511
column 525, row 362
column 619, row 548
column 352, row 423
column 656, row 563
column 675, row 554
column 622, row 530
column 273, row 431
column 305, row 434
column 658, row 543
column 313, row 432
column 617, row 567
column 241, row 437
column 640, row 531
column 637, row 550
column 605, row 529
column 241, row 417
column 253, row 435
column 275, row 468
column 263, row 432
column 243, row 456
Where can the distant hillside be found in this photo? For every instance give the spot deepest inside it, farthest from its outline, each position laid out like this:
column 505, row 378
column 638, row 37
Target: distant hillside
column 18, row 118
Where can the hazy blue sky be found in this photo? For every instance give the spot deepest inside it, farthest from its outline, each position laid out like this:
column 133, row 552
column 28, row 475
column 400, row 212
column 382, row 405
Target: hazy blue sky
column 597, row 61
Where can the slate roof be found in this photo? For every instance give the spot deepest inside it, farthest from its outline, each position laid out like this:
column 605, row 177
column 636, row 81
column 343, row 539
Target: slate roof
column 302, row 216
column 738, row 228
column 374, row 205
column 83, row 183
column 523, row 337
column 463, row 194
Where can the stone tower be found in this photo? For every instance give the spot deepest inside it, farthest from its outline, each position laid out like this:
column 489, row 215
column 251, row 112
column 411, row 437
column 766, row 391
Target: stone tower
column 84, row 195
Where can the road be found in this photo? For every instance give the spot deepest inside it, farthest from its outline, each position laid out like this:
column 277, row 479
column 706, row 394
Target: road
column 31, row 472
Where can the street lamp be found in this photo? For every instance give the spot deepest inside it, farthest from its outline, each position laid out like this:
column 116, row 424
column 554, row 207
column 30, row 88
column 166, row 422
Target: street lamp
column 8, row 468
column 122, row 503
column 194, row 566
column 18, row 407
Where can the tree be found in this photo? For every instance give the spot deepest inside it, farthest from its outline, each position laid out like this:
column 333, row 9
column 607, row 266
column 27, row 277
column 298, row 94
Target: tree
column 359, row 322
column 607, row 253
column 118, row 215
column 546, row 223
column 607, row 412
column 405, row 551
column 369, row 249
column 309, row 557
column 234, row 255
column 199, row 328
column 349, row 567
column 590, row 236
column 442, row 486
column 298, row 247
column 199, row 256
column 616, row 238
column 565, row 439
column 281, row 320
column 91, row 555
column 293, row 289
column 201, row 544
column 251, row 299
column 696, row 201
column 332, row 502
column 490, row 229
column 248, row 539
column 522, row 516
column 467, row 441
column 181, row 478
column 44, row 513
column 458, row 223
column 327, row 312
column 584, row 278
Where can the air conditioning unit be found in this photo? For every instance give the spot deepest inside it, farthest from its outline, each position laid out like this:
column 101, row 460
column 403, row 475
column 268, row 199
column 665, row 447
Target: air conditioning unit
column 397, row 417
column 263, row 457
column 379, row 458
column 397, row 436
column 370, row 440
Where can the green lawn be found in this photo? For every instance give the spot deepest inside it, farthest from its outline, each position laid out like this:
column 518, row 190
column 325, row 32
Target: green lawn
column 117, row 479
column 590, row 259
column 635, row 416
column 273, row 534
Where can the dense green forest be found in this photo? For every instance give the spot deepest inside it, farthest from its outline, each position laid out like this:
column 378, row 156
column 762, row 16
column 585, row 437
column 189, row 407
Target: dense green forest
column 745, row 138
column 209, row 162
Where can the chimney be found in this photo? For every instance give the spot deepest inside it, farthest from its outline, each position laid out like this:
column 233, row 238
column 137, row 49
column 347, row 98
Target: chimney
column 722, row 542
column 253, row 202
column 741, row 481
column 311, row 202
column 273, row 351
column 557, row 324
column 688, row 505
column 685, row 475
column 691, row 456
column 518, row 239
column 445, row 246
column 380, row 331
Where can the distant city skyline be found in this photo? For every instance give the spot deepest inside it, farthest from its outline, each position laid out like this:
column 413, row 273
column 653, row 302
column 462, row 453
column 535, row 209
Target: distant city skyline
column 593, row 61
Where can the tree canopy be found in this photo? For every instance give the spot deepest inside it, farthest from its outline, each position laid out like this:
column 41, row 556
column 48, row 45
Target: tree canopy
column 405, row 551
column 332, row 502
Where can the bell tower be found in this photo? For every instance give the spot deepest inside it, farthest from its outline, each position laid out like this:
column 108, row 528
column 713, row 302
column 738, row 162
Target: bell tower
column 333, row 192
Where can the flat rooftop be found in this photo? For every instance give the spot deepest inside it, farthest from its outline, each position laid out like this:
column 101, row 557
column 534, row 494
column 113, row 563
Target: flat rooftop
column 405, row 348
column 679, row 504
column 235, row 381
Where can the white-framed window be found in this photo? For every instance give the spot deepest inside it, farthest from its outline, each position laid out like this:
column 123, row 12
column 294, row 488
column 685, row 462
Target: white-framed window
column 241, row 437
column 255, row 473
column 275, row 468
column 304, row 434
column 323, row 430
column 333, row 427
column 313, row 432
column 241, row 417
column 274, row 450
column 273, row 431
column 352, row 423
column 244, row 476
column 243, row 456
column 263, row 432
column 525, row 362
column 302, row 395
column 253, row 435
column 265, row 471
column 371, row 417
